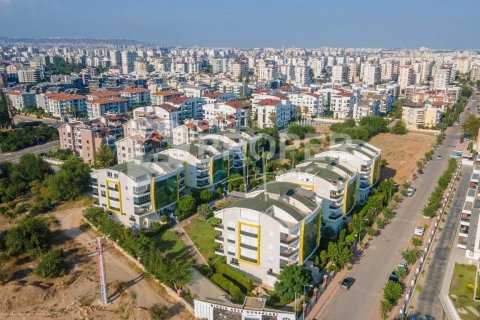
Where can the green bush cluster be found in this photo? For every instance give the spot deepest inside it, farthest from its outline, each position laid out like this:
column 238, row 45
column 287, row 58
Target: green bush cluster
column 368, row 127
column 239, row 278
column 26, row 136
column 227, row 285
column 51, row 264
column 435, row 200
column 300, row 130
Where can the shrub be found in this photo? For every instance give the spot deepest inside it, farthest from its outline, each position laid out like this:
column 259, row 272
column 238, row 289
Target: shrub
column 227, row 285
column 51, row 264
column 410, row 255
column 158, row 312
column 205, row 211
column 239, row 278
column 392, row 291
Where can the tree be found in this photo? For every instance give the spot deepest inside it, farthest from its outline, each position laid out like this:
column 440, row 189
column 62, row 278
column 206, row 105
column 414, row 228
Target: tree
column 31, row 233
column 401, row 273
column 392, row 291
column 29, row 168
column 71, row 181
column 385, row 307
column 105, row 157
column 51, row 264
column 205, row 211
column 410, row 255
column 187, row 204
column 471, row 125
column 399, row 128
column 416, row 242
column 174, row 272
column 291, row 281
column 205, row 195
column 273, row 119
column 338, row 254
column 5, row 118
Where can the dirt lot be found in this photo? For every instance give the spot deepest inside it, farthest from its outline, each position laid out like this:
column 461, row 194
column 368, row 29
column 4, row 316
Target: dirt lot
column 75, row 295
column 401, row 153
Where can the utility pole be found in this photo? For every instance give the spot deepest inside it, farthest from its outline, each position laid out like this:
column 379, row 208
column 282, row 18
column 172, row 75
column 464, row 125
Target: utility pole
column 97, row 247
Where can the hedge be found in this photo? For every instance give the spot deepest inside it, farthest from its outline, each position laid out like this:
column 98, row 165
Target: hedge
column 435, row 200
column 227, row 285
column 244, row 282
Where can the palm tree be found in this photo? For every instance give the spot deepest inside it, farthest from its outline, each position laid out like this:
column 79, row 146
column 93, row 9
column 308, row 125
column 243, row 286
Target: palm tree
column 305, row 112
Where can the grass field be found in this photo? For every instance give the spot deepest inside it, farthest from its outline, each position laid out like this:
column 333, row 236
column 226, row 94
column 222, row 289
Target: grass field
column 402, row 153
column 203, row 236
column 171, row 243
column 461, row 291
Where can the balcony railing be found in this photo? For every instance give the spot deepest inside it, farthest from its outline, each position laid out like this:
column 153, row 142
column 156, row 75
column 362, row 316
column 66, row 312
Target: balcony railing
column 249, row 234
column 219, row 227
column 288, row 253
column 336, row 195
column 288, row 239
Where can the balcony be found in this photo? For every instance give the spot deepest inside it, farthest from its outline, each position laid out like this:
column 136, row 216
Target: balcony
column 364, row 186
column 249, row 247
column 219, row 251
column 219, row 227
column 234, row 261
column 288, row 239
column 336, row 195
column 219, row 238
column 364, row 168
column 335, row 216
column 464, row 229
column 203, row 183
column 248, row 259
column 335, row 205
column 113, row 188
column 288, row 253
column 202, row 176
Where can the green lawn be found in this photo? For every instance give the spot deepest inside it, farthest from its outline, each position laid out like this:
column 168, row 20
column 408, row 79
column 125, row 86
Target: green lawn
column 461, row 291
column 203, row 235
column 171, row 243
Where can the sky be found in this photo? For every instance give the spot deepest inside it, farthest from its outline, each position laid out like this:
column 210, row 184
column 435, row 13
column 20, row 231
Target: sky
column 439, row 24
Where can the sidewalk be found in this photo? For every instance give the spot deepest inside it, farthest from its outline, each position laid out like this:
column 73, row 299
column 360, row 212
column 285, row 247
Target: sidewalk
column 333, row 288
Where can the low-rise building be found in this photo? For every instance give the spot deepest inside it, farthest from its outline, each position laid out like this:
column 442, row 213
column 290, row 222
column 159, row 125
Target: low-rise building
column 136, row 193
column 276, row 225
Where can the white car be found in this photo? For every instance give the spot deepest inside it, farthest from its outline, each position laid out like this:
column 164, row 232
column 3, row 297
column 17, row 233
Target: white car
column 411, row 191
column 419, row 231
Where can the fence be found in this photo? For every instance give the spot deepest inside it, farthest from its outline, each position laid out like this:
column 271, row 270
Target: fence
column 426, row 250
column 317, row 293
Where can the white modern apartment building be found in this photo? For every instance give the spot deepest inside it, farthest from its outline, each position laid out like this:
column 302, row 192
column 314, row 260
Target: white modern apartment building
column 341, row 103
column 139, row 145
column 334, row 183
column 272, row 110
column 469, row 230
column 190, row 107
column 366, row 107
column 339, row 74
column 441, row 78
column 230, row 109
column 313, row 103
column 206, row 166
column 190, row 131
column 372, row 74
column 167, row 117
column 363, row 157
column 137, row 192
column 274, row 226
column 406, row 77
column 418, row 115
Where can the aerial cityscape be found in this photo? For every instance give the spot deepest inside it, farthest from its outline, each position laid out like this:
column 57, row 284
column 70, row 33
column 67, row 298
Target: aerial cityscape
column 239, row 160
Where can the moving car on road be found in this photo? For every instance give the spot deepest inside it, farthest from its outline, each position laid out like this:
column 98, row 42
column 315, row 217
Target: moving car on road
column 347, row 283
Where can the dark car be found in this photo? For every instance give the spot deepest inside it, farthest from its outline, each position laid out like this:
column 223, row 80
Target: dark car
column 347, row 283
column 393, row 277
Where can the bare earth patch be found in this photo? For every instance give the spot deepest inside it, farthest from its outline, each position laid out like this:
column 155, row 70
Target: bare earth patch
column 402, row 153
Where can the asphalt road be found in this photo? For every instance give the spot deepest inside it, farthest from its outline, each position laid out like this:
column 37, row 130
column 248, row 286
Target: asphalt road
column 14, row 156
column 383, row 254
column 428, row 305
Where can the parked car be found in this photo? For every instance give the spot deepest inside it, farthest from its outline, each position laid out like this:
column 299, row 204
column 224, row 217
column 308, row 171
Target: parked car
column 393, row 276
column 347, row 283
column 411, row 191
column 403, row 264
column 419, row 231
column 439, row 157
